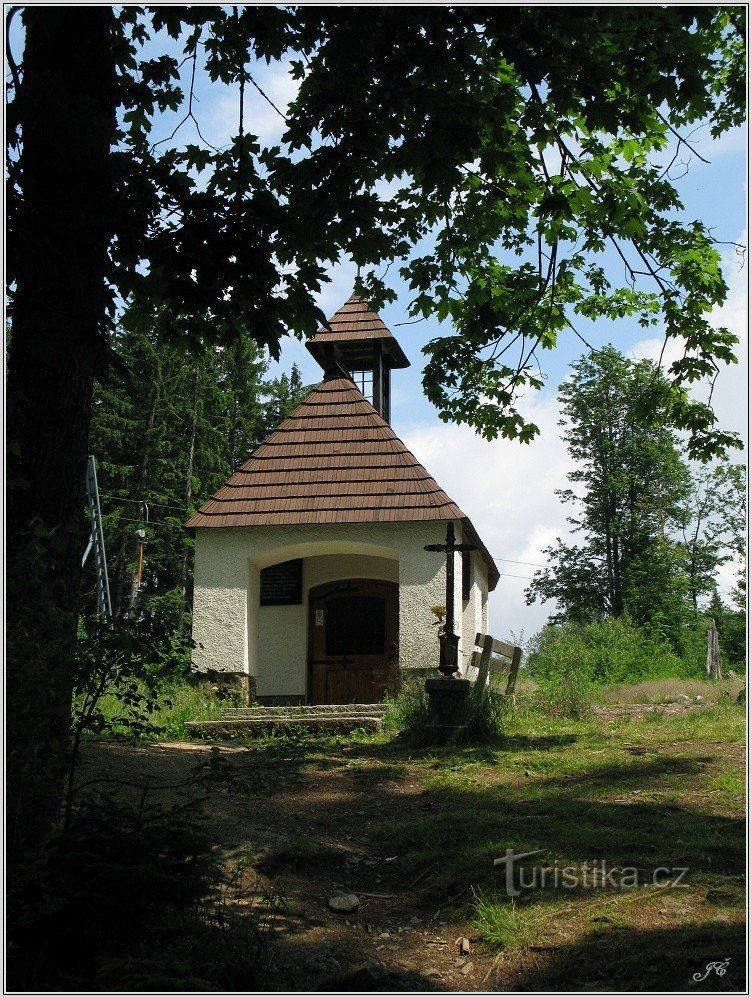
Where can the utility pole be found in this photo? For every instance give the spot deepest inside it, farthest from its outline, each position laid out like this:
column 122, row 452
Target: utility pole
column 140, row 539
column 96, row 542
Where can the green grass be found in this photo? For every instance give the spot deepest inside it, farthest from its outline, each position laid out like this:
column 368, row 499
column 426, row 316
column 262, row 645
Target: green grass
column 730, row 787
column 379, row 772
column 662, row 691
column 178, row 702
column 499, row 923
column 662, row 790
column 295, row 854
column 578, row 791
column 724, row 721
column 656, row 790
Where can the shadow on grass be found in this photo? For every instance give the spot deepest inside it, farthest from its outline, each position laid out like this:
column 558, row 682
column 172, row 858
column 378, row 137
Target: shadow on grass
column 536, row 743
column 631, row 775
column 568, row 820
column 445, row 840
column 465, row 826
column 663, row 959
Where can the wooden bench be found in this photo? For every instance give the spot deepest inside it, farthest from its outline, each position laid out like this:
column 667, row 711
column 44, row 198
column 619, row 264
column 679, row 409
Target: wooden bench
column 481, row 664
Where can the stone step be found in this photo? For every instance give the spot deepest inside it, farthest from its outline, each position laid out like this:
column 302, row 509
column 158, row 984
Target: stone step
column 249, row 726
column 320, row 710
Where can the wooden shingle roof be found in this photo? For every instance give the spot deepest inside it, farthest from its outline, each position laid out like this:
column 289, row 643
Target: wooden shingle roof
column 354, row 323
column 333, row 460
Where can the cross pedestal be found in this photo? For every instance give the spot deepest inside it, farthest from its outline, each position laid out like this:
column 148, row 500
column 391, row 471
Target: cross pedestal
column 447, row 722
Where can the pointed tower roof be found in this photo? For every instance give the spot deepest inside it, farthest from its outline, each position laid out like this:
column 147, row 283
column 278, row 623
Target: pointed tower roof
column 333, row 460
column 352, row 323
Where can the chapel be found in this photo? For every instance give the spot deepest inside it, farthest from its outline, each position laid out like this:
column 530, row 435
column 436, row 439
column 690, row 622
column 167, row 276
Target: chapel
column 312, row 582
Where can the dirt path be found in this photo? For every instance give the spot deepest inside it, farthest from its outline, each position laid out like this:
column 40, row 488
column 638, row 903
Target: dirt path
column 316, row 822
column 637, row 711
column 337, row 809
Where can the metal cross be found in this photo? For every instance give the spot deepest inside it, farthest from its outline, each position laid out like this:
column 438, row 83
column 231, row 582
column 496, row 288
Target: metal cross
column 448, row 640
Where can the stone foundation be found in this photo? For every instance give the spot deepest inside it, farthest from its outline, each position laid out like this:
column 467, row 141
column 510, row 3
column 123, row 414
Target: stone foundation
column 227, row 684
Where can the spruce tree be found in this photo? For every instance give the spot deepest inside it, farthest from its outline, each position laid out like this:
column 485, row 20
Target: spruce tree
column 167, row 430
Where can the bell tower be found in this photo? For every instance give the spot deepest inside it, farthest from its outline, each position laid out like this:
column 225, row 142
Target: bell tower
column 359, row 342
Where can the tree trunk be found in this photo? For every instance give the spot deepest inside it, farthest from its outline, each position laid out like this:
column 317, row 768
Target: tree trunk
column 189, row 496
column 713, row 663
column 60, row 228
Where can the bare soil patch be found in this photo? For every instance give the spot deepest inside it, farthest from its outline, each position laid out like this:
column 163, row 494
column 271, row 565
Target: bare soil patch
column 319, row 823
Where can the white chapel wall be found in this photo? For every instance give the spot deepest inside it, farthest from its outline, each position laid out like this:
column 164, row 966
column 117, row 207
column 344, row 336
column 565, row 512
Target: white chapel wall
column 474, row 618
column 220, row 600
column 230, row 628
column 422, row 585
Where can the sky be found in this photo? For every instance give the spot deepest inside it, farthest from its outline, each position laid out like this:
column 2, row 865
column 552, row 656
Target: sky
column 507, row 489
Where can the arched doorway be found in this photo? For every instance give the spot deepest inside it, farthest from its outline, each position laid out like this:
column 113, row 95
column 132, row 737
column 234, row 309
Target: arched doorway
column 352, row 640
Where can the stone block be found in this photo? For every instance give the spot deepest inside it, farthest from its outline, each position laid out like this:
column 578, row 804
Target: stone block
column 447, row 719
column 222, row 684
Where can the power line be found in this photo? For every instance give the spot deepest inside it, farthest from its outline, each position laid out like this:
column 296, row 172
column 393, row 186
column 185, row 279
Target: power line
column 152, row 523
column 533, row 564
column 149, row 502
column 506, row 575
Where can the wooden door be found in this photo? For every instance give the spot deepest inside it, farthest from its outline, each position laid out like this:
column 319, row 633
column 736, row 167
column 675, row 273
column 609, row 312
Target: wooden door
column 352, row 640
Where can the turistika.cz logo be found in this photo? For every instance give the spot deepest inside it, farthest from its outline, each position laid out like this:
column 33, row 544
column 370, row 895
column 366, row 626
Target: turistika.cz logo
column 592, row 874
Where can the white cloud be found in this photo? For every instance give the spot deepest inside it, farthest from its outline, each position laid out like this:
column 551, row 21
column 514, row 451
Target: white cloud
column 507, row 490
column 338, row 289
column 730, row 143
column 220, row 118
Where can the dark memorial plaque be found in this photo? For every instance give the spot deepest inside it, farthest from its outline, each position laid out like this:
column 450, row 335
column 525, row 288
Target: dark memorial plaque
column 282, row 584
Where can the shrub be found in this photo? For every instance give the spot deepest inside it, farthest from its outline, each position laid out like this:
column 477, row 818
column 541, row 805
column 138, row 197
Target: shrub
column 486, row 709
column 566, row 693
column 407, row 713
column 611, row 651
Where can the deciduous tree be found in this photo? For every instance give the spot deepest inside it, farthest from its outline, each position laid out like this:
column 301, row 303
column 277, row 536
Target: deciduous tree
column 650, row 531
column 629, row 483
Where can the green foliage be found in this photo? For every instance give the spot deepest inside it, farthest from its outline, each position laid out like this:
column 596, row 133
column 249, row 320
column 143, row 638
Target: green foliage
column 609, row 651
column 241, row 235
column 232, row 244
column 567, row 692
column 733, row 640
column 712, row 524
column 119, row 662
column 628, row 482
column 174, row 702
column 167, row 431
column 651, row 533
